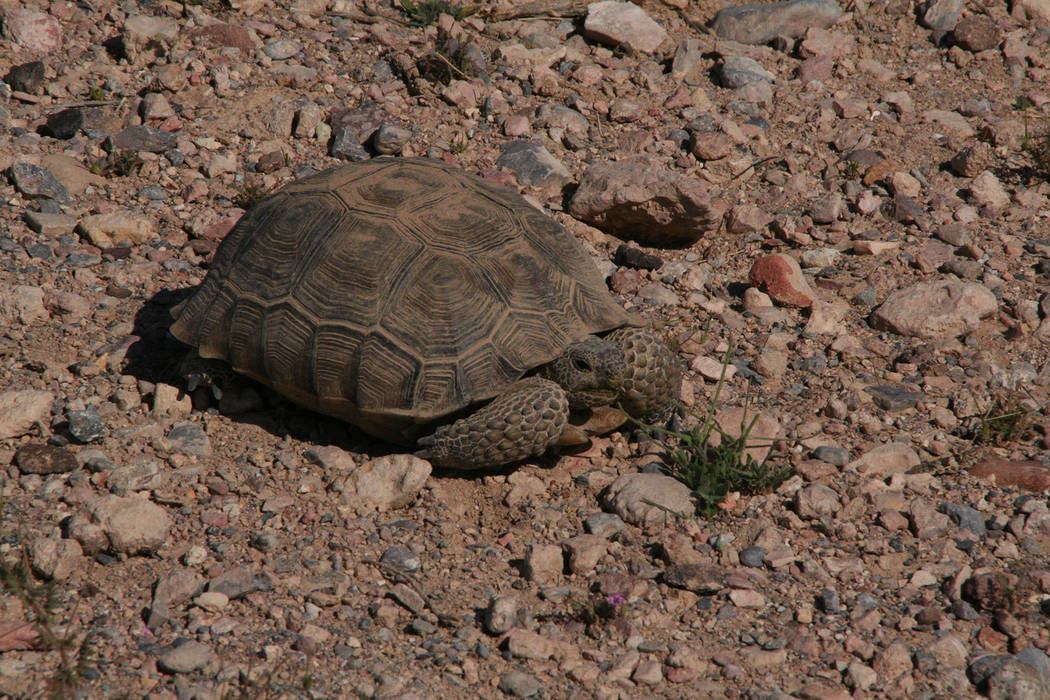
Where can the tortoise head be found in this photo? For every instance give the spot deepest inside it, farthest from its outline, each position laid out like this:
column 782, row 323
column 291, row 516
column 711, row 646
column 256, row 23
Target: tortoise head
column 591, row 372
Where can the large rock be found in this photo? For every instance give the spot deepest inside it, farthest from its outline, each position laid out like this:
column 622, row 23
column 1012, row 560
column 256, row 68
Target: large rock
column 780, row 276
column 649, row 500
column 761, row 23
column 623, row 24
column 22, row 304
column 120, row 227
column 36, row 32
column 938, row 309
column 21, row 410
column 1035, row 9
column 635, row 200
column 532, row 164
column 121, row 525
column 385, row 482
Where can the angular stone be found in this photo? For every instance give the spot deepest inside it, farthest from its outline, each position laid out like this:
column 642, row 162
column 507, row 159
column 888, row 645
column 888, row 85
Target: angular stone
column 120, row 227
column 698, row 578
column 544, row 563
column 86, row 425
column 21, row 410
column 738, row 71
column 238, row 582
column 228, row 35
column 64, row 124
column 141, row 138
column 36, row 32
column 638, row 201
column 780, row 276
column 36, row 181
column 648, row 500
column 26, row 77
column 385, row 483
column 987, row 190
column 532, row 164
column 894, row 398
column 942, row 15
column 121, row 525
column 56, row 559
column 623, row 24
column 937, row 309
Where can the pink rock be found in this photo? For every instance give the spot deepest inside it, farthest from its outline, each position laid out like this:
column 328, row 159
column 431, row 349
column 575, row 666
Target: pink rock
column 623, row 24
column 517, row 125
column 37, row 32
column 816, row 68
column 780, row 277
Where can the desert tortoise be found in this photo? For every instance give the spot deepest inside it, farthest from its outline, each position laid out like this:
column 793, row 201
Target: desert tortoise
column 412, row 299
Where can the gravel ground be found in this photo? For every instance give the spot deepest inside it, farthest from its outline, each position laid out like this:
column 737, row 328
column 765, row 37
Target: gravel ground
column 849, row 201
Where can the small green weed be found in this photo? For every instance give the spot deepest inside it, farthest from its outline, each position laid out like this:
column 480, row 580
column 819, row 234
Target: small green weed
column 121, row 163
column 1036, row 142
column 1007, row 420
column 713, row 472
column 451, row 61
column 40, row 600
column 459, row 145
column 95, row 94
column 428, row 11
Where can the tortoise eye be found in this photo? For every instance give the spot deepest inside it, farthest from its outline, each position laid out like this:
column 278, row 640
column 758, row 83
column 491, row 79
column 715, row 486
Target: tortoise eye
column 581, row 364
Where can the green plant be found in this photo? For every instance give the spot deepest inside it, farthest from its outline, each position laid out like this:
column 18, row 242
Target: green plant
column 714, row 471
column 1006, row 420
column 1037, row 145
column 448, row 62
column 428, row 11
column 121, row 163
column 459, row 145
column 95, row 94
column 40, row 600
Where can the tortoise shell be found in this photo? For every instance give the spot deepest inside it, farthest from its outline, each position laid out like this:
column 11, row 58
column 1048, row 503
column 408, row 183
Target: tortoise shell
column 394, row 293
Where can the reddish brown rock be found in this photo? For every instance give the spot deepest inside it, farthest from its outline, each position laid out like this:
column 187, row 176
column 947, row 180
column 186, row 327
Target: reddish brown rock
column 1030, row 475
column 780, row 277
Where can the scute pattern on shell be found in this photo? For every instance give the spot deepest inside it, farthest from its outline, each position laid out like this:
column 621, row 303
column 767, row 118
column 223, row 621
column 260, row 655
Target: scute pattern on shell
column 394, row 289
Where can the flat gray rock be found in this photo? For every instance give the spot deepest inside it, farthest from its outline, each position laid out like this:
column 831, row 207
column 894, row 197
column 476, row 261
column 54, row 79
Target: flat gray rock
column 532, row 164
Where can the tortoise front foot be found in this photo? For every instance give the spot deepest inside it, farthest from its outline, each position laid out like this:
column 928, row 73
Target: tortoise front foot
column 523, row 421
column 653, row 380
column 209, row 374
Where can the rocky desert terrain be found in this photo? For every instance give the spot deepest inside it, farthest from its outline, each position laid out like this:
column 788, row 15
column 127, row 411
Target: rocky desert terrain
column 845, row 208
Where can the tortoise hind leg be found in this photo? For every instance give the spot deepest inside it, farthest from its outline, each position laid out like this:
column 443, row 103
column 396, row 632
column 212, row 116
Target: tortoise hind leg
column 652, row 383
column 521, row 422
